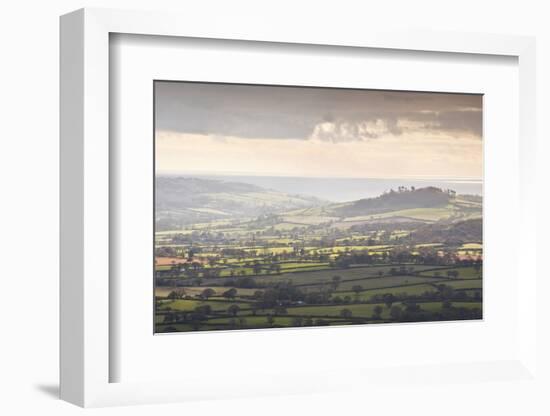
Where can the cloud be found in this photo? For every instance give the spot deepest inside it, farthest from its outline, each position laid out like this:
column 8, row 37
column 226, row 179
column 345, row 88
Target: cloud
column 339, row 131
column 458, row 121
column 322, row 114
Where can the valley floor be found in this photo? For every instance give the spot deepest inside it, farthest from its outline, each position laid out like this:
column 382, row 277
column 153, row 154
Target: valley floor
column 360, row 294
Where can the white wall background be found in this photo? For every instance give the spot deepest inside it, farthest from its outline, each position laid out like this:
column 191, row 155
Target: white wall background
column 29, row 196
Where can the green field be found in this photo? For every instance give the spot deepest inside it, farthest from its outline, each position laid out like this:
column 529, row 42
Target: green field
column 411, row 290
column 466, row 284
column 463, row 272
column 383, row 259
column 358, row 310
column 384, row 282
column 429, row 214
column 190, row 305
column 356, row 289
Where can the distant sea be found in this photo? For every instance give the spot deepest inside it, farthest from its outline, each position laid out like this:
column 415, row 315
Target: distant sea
column 344, row 189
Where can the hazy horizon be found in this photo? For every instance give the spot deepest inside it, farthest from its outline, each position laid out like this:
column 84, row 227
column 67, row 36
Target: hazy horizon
column 273, row 175
column 334, row 189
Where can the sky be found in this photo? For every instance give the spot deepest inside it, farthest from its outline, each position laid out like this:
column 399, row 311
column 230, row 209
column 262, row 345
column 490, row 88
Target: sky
column 208, row 128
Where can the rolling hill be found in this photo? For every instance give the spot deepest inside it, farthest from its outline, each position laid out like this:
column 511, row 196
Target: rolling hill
column 187, row 200
column 181, row 201
column 453, row 233
column 428, row 197
column 423, row 205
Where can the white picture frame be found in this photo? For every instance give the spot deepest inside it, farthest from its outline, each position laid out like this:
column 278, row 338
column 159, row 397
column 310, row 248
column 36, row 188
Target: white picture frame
column 86, row 355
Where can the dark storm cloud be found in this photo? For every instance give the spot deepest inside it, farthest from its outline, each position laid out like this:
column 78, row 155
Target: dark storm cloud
column 295, row 113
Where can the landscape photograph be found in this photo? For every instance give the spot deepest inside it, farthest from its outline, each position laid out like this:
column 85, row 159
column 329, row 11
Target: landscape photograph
column 285, row 206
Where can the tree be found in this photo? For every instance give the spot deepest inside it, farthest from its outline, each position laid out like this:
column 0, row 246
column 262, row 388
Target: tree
column 280, row 310
column 258, row 294
column 297, row 321
column 337, row 300
column 233, row 310
column 257, row 268
column 357, row 289
column 203, row 309
column 460, row 295
column 270, row 320
column 208, row 292
column 446, row 304
column 389, row 299
column 377, row 312
column 336, row 281
column 176, row 294
column 477, row 264
column 396, row 312
column 445, row 291
column 452, row 273
column 345, row 313
column 245, row 282
column 230, row 294
column 411, row 306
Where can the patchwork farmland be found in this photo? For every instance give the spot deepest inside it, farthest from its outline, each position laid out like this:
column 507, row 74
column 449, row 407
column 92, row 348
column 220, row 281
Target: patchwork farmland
column 257, row 259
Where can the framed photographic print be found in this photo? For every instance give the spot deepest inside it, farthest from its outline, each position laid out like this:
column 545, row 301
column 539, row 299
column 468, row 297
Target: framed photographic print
column 308, row 213
column 285, row 206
